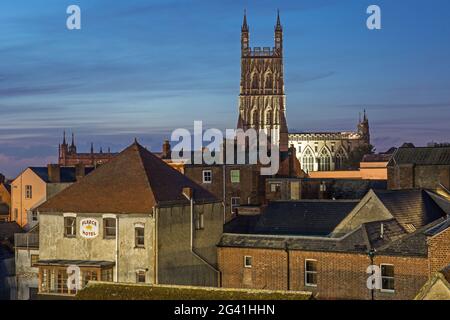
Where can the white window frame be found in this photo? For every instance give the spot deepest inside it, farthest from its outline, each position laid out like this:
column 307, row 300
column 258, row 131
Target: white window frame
column 381, row 275
column 245, row 262
column 210, row 176
column 308, row 272
column 234, row 205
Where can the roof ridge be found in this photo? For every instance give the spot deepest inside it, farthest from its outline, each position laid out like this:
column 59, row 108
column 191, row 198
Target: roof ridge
column 141, row 161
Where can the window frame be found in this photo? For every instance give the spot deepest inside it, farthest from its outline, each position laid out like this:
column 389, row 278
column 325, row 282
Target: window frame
column 233, row 205
column 307, row 284
column 200, row 221
column 238, row 180
column 137, row 237
column 139, row 273
column 204, row 180
column 74, row 234
column 387, row 277
column 247, row 265
column 106, row 228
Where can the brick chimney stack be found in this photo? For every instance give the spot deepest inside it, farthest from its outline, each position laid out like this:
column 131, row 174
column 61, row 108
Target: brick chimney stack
column 54, row 173
column 166, row 151
column 80, row 171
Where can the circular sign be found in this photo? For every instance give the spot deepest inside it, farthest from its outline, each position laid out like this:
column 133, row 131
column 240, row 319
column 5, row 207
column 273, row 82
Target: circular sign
column 89, row 228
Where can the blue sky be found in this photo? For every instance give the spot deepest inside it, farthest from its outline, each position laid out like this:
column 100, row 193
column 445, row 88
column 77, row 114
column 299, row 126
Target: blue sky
column 141, row 68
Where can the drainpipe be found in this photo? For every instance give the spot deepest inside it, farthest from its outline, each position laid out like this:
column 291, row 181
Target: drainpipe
column 117, row 248
column 224, row 194
column 371, row 256
column 191, row 199
column 288, row 267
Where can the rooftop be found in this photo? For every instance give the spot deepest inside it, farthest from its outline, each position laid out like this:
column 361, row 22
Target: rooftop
column 421, row 156
column 132, row 182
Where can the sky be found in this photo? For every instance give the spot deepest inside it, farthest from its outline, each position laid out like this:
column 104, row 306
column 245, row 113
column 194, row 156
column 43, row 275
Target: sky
column 142, row 68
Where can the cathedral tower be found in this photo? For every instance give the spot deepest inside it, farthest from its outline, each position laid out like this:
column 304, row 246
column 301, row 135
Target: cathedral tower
column 261, row 99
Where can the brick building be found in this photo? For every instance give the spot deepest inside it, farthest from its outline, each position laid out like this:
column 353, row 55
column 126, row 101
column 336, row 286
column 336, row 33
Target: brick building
column 328, row 250
column 68, row 155
column 420, row 167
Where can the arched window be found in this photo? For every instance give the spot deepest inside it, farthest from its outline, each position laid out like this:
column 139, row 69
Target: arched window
column 254, row 81
column 269, row 117
column 339, row 161
column 324, row 160
column 269, row 81
column 254, row 117
column 308, row 161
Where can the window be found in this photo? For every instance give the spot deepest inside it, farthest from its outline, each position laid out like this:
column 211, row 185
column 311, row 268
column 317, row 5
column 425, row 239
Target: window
column 70, row 227
column 28, row 192
column 34, row 216
column 235, row 176
column 89, row 275
column 207, row 176
column 139, row 236
column 34, row 259
column 200, row 221
column 324, row 161
column 308, row 161
column 248, row 260
column 275, row 187
column 140, row 276
column 316, row 147
column 339, row 161
column 332, row 147
column 387, row 277
column 235, row 202
column 109, row 228
column 311, row 273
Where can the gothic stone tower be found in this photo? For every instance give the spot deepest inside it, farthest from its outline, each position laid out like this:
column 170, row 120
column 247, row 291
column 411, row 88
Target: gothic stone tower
column 262, row 103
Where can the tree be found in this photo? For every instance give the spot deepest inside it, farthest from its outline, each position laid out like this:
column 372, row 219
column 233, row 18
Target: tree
column 356, row 155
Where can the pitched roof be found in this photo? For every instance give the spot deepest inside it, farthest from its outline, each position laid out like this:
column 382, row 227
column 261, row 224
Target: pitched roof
column 412, row 209
column 305, row 217
column 8, row 229
column 132, row 182
column 67, row 174
column 4, row 209
column 421, row 156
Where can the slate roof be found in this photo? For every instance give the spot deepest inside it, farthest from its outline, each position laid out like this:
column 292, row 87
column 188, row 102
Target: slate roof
column 67, row 174
column 132, row 182
column 411, row 208
column 83, row 263
column 8, row 229
column 4, row 209
column 304, row 217
column 308, row 217
column 380, row 157
column 421, row 156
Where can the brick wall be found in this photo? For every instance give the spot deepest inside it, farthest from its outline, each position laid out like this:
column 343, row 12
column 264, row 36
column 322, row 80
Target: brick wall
column 439, row 251
column 340, row 275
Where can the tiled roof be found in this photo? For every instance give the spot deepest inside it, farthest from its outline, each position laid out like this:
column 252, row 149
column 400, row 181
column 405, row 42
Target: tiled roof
column 421, row 156
column 67, row 174
column 132, row 182
column 411, row 208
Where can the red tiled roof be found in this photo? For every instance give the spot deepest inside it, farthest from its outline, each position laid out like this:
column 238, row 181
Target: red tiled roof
column 132, row 182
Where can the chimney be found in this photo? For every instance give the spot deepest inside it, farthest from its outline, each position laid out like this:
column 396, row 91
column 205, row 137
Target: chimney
column 79, row 171
column 54, row 173
column 166, row 150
